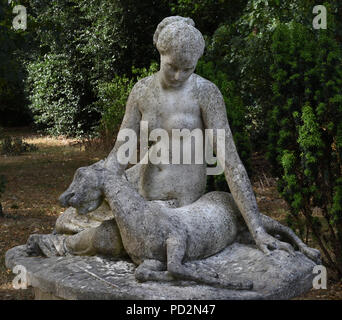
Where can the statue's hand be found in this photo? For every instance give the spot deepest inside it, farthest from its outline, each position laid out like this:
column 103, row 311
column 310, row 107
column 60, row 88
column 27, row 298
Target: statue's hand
column 267, row 243
column 85, row 192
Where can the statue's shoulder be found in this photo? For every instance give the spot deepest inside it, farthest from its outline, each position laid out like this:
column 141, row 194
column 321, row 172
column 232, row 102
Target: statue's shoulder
column 206, row 89
column 142, row 86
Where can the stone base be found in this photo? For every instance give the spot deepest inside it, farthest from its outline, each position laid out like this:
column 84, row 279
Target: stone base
column 41, row 295
column 277, row 276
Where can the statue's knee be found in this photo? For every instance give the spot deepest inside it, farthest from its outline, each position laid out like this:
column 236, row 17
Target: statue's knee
column 107, row 239
column 81, row 243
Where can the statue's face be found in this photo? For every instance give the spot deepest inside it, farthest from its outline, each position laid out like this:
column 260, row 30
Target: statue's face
column 175, row 71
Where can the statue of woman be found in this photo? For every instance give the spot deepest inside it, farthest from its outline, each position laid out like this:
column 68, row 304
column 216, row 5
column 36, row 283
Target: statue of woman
column 173, row 98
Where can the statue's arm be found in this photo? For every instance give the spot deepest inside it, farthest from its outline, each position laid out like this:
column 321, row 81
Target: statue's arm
column 131, row 121
column 215, row 117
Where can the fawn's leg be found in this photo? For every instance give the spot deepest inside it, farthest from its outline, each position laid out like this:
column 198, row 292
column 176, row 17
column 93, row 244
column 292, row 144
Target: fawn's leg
column 175, row 253
column 273, row 226
column 152, row 270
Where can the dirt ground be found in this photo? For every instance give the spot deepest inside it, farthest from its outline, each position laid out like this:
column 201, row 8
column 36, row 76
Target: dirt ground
column 35, row 181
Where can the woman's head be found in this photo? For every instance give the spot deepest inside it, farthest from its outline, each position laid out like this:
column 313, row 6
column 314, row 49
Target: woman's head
column 177, row 35
column 180, row 45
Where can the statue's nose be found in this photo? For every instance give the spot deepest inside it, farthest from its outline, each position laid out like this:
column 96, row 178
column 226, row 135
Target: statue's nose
column 65, row 197
column 74, row 201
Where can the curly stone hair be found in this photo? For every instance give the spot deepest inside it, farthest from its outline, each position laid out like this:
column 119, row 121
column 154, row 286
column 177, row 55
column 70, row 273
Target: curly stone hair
column 178, row 35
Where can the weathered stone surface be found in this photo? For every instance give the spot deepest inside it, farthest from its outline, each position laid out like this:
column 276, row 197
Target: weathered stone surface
column 277, row 276
column 167, row 241
column 70, row 222
column 173, row 98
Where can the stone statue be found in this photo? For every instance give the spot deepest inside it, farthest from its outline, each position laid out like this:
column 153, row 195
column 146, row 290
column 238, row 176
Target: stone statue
column 159, row 214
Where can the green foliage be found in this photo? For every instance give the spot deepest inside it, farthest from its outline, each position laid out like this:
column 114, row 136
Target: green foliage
column 13, row 108
column 119, row 34
column 237, row 117
column 242, row 50
column 79, row 45
column 209, row 14
column 55, row 90
column 304, row 130
column 236, row 111
column 112, row 98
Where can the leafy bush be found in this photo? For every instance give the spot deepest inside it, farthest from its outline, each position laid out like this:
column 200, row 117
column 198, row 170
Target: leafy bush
column 305, row 131
column 209, row 14
column 237, row 117
column 56, row 92
column 79, row 45
column 13, row 105
column 118, row 35
column 112, row 98
column 241, row 49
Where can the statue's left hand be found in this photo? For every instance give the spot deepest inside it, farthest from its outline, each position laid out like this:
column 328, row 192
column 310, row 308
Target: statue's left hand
column 267, row 243
column 85, row 192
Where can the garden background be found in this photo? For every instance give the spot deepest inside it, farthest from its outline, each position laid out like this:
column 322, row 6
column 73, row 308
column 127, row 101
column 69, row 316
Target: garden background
column 65, row 79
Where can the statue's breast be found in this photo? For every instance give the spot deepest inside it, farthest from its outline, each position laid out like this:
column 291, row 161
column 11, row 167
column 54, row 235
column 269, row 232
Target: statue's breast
column 172, row 110
column 184, row 120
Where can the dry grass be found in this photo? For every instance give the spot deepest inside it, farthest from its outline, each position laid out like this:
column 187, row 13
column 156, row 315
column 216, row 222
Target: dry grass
column 36, row 180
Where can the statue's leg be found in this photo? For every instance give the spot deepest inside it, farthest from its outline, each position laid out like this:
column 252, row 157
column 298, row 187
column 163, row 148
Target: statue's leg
column 152, row 270
column 274, row 227
column 104, row 239
column 176, row 247
column 48, row 245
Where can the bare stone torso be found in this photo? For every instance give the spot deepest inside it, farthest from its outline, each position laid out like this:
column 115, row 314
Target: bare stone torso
column 176, row 109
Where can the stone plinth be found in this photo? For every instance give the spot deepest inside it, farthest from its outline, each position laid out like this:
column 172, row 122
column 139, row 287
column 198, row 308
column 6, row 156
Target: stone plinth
column 277, row 276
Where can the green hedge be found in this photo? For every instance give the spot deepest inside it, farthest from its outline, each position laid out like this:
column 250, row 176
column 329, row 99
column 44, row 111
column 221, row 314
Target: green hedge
column 305, row 131
column 55, row 90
